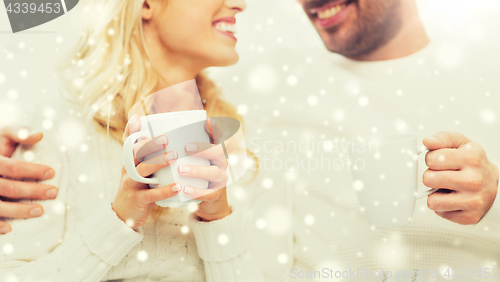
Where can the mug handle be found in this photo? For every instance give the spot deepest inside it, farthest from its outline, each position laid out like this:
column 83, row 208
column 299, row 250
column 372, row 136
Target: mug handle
column 423, row 194
column 128, row 159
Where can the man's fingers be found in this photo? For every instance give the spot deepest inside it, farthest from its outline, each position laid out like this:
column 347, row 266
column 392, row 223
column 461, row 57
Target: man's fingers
column 210, row 173
column 463, row 180
column 452, row 180
column 442, row 139
column 22, row 135
column 149, row 196
column 151, row 166
column 445, row 159
column 4, row 227
column 149, row 146
column 205, row 195
column 20, row 210
column 11, row 136
column 23, row 170
column 26, row 190
column 445, row 202
column 133, row 126
column 460, row 217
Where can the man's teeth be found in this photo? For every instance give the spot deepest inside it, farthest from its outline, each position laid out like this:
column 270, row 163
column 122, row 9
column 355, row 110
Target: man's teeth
column 330, row 12
column 226, row 27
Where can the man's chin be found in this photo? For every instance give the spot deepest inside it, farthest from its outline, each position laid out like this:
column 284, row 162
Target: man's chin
column 337, row 42
column 332, row 45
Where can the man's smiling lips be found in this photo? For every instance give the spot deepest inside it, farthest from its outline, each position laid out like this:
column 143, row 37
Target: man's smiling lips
column 330, row 13
column 226, row 26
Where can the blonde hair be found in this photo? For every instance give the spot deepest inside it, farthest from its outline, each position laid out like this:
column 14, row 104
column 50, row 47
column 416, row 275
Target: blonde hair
column 109, row 70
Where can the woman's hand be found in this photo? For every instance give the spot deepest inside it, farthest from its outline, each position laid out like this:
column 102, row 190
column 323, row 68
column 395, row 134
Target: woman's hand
column 134, row 200
column 214, row 203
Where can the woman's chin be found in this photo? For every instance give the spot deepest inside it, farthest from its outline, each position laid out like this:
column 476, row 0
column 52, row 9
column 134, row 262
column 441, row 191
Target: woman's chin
column 233, row 60
column 227, row 60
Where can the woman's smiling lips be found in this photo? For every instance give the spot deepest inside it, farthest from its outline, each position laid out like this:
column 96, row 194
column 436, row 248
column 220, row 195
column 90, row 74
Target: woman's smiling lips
column 226, row 26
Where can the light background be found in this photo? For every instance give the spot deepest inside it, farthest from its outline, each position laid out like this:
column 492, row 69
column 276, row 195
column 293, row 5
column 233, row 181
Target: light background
column 27, row 59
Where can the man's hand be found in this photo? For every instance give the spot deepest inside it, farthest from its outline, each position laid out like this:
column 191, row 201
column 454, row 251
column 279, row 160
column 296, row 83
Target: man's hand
column 10, row 138
column 460, row 166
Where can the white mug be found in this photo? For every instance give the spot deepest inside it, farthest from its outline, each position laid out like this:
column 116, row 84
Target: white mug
column 179, row 128
column 385, row 177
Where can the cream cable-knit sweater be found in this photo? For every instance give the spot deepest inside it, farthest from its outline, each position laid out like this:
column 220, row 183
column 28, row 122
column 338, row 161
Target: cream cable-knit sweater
column 80, row 238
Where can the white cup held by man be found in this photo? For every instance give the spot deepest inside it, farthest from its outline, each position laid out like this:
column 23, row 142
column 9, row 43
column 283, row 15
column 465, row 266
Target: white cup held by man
column 385, row 177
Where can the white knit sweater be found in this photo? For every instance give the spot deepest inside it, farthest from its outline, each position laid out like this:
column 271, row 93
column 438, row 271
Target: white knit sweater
column 80, row 238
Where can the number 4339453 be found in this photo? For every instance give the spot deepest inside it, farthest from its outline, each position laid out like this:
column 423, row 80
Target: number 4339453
column 471, row 273
column 33, row 8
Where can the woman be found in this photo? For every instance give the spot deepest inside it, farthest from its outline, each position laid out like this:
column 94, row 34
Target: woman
column 129, row 50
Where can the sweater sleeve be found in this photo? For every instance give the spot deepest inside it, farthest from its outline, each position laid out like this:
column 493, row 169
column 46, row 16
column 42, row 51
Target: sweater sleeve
column 87, row 255
column 222, row 244
column 46, row 248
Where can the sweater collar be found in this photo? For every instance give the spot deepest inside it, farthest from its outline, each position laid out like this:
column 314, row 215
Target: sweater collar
column 390, row 69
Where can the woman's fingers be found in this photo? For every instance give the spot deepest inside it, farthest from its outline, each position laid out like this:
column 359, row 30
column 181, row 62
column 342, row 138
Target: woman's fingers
column 207, row 151
column 148, row 196
column 148, row 146
column 204, row 195
column 151, row 166
column 133, row 126
column 214, row 131
column 209, row 173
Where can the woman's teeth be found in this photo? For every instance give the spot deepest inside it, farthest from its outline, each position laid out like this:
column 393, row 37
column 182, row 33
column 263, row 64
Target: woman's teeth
column 225, row 27
column 330, row 12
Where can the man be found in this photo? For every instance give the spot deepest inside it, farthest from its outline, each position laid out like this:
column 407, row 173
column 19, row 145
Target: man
column 367, row 30
column 12, row 190
column 388, row 79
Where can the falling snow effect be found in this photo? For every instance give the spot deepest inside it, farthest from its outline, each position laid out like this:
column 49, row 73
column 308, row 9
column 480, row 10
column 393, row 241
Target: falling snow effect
column 242, row 109
column 358, row 185
column 488, row 116
column 309, row 219
column 184, row 229
column 262, row 78
column 292, row 80
column 223, row 239
column 12, row 94
column 312, row 100
column 282, row 258
column 7, row 249
column 399, row 112
column 142, row 256
column 267, row 183
column 260, row 223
